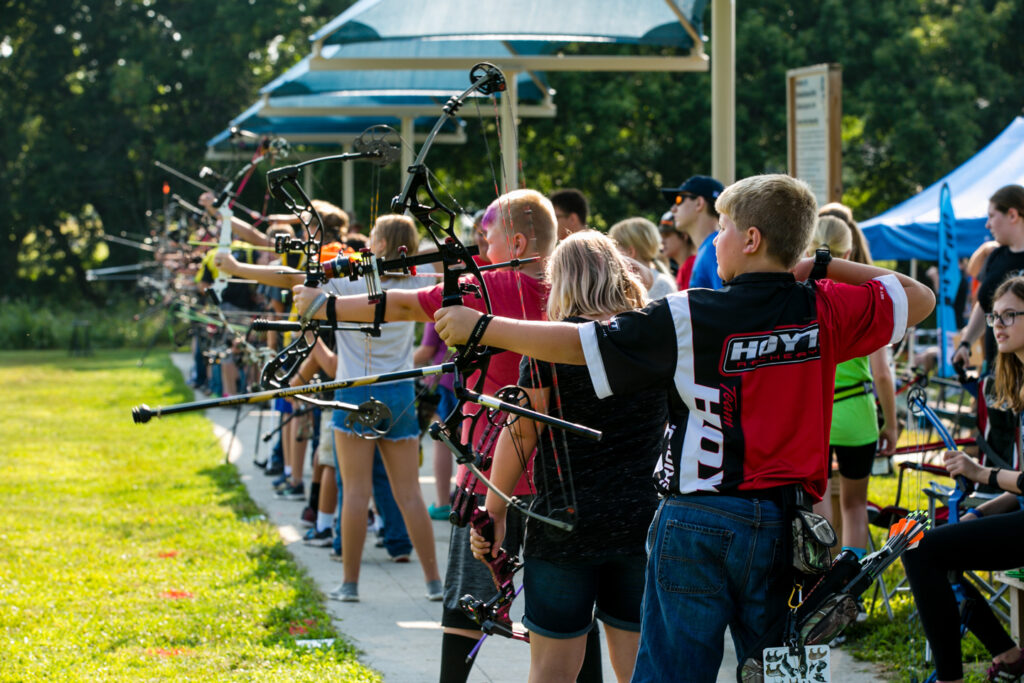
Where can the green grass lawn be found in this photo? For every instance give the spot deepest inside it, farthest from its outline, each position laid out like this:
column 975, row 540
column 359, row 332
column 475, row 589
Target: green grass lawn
column 131, row 552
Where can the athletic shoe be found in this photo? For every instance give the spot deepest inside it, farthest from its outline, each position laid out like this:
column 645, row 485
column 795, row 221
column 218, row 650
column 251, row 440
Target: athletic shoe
column 308, row 518
column 1006, row 673
column 346, row 592
column 439, row 512
column 335, row 557
column 435, row 590
column 400, row 559
column 274, row 469
column 290, row 492
column 319, row 539
column 280, row 482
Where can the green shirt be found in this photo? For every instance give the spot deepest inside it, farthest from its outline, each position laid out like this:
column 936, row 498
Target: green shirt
column 855, row 419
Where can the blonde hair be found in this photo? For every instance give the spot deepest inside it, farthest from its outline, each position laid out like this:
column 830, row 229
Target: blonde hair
column 861, row 252
column 397, row 231
column 833, row 233
column 781, row 207
column 642, row 236
column 527, row 212
column 590, row 277
column 1009, row 385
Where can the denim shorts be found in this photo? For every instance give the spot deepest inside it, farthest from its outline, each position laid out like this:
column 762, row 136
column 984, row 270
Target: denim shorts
column 447, row 403
column 399, row 397
column 560, row 596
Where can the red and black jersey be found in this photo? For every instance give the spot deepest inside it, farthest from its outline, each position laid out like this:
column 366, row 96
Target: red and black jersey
column 752, row 373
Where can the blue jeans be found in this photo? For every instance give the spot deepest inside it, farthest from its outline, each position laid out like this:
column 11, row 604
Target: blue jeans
column 713, row 562
column 396, row 538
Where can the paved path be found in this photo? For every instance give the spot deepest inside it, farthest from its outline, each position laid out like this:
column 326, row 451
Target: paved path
column 394, row 625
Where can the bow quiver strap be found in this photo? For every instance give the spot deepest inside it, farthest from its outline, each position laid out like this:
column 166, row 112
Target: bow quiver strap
column 852, row 391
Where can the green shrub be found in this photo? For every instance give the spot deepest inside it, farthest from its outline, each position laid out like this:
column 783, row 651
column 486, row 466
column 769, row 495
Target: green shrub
column 48, row 324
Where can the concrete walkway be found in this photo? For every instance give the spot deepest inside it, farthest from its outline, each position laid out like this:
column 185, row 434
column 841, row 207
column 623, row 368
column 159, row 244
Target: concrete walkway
column 395, row 626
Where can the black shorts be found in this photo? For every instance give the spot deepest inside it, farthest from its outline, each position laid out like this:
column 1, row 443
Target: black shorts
column 854, row 461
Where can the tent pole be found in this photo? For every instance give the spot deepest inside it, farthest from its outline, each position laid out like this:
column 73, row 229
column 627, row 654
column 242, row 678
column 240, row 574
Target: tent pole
column 307, row 180
column 409, row 148
column 509, row 138
column 723, row 90
column 348, row 182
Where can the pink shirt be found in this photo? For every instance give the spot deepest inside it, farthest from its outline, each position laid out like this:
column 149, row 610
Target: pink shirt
column 513, row 295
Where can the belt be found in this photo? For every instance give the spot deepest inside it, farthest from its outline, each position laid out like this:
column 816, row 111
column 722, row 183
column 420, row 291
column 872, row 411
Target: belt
column 781, row 495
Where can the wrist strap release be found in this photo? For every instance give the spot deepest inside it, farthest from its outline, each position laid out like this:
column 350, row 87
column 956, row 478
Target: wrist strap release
column 478, row 330
column 331, row 310
column 993, row 477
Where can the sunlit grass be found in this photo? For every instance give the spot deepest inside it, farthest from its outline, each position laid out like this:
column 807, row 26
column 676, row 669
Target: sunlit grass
column 899, row 644
column 132, row 552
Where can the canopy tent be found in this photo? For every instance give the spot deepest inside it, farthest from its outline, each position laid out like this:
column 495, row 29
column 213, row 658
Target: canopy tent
column 401, row 92
column 334, row 107
column 568, row 21
column 329, row 78
column 910, row 230
column 533, row 31
column 324, row 128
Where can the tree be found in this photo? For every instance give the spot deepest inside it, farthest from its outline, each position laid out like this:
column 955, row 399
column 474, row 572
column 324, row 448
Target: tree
column 93, row 93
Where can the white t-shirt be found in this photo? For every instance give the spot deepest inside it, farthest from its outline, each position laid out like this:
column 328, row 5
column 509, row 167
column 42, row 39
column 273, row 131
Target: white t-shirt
column 662, row 287
column 360, row 354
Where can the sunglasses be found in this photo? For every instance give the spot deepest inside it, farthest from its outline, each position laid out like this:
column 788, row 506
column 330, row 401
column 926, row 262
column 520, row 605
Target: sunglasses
column 680, row 198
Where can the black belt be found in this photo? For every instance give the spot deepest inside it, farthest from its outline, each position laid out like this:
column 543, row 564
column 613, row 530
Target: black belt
column 780, row 495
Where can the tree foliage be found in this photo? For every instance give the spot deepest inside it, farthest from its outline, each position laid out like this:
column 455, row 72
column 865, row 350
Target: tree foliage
column 94, row 93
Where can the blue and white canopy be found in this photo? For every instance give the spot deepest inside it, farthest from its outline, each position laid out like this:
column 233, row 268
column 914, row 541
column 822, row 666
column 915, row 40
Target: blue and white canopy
column 910, row 230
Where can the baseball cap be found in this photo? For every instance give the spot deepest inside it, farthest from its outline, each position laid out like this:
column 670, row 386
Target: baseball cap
column 667, row 222
column 698, row 185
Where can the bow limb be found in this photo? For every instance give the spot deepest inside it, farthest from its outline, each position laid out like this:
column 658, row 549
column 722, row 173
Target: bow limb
column 917, row 400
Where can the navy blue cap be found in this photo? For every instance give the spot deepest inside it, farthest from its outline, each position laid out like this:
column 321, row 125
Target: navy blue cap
column 699, row 185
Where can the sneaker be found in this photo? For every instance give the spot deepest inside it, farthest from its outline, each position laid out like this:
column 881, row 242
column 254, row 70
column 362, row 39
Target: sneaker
column 400, row 559
column 439, row 512
column 1005, row 673
column 283, row 480
column 308, row 518
column 435, row 590
column 346, row 592
column 290, row 492
column 274, row 469
column 319, row 539
column 336, row 557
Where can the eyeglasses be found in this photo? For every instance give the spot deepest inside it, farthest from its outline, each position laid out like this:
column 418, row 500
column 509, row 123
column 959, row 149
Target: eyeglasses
column 1005, row 319
column 680, row 198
